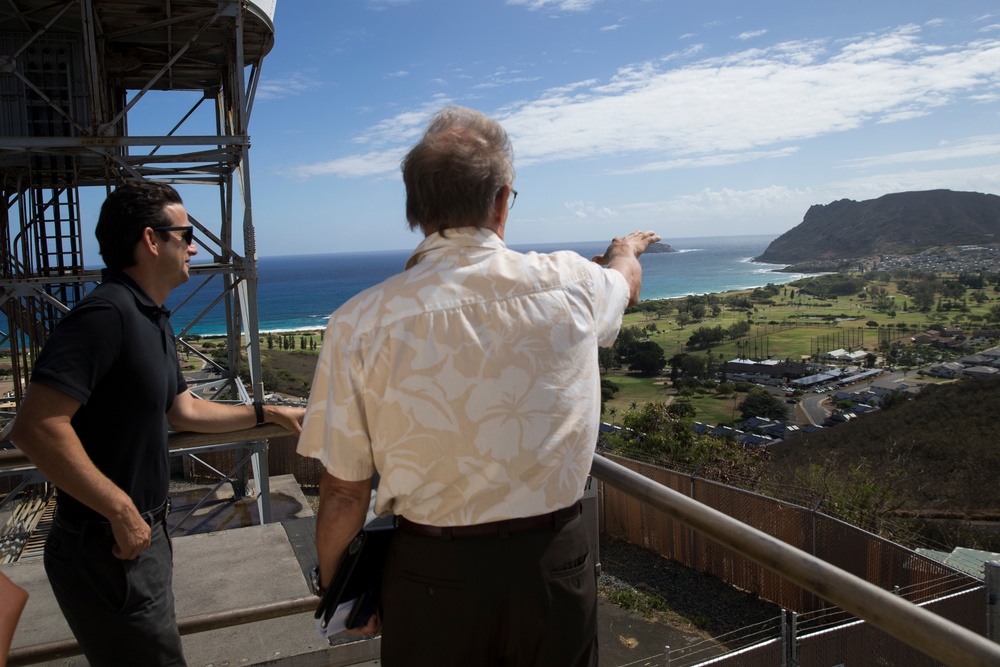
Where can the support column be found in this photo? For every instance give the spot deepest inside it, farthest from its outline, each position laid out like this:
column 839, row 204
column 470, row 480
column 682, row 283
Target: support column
column 992, row 572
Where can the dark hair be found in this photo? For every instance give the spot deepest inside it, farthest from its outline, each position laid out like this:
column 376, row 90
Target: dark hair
column 126, row 213
column 454, row 174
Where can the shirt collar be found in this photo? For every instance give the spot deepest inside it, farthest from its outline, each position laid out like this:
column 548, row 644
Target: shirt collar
column 142, row 300
column 459, row 237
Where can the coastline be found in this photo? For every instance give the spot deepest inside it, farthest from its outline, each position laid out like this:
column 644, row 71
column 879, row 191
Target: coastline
column 298, row 293
column 313, row 329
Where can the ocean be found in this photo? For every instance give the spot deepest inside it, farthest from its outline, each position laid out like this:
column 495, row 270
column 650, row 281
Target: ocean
column 299, row 292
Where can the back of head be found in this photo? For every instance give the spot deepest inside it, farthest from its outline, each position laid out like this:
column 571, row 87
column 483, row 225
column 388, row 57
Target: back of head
column 454, row 174
column 126, row 213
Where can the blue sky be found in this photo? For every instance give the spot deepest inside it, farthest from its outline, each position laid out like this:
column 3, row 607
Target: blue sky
column 708, row 118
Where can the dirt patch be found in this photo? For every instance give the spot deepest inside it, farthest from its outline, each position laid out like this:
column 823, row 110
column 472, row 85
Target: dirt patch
column 287, row 372
column 299, row 363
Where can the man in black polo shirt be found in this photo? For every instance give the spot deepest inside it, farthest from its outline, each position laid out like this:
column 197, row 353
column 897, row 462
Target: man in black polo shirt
column 103, row 393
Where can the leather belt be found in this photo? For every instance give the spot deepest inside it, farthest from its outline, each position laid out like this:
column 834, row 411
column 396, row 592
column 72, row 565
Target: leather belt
column 103, row 528
column 551, row 521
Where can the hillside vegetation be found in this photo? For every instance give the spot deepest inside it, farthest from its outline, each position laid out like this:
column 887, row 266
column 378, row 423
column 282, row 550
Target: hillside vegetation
column 939, row 451
column 900, row 223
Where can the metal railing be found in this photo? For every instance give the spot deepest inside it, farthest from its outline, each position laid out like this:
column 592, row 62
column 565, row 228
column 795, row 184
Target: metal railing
column 939, row 638
column 12, row 459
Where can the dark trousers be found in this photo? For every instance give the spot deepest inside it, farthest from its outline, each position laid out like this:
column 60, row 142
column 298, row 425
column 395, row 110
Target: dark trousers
column 525, row 599
column 120, row 611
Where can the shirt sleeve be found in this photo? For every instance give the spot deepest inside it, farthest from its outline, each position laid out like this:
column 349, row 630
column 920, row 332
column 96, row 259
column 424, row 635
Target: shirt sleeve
column 611, row 296
column 335, row 428
column 81, row 349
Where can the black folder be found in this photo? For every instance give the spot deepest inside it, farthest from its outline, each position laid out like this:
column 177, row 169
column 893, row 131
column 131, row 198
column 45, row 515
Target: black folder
column 359, row 574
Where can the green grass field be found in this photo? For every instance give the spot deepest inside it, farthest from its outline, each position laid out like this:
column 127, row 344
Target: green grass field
column 786, row 330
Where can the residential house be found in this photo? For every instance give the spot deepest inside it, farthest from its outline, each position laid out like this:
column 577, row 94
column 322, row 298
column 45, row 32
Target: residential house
column 980, row 371
column 949, row 369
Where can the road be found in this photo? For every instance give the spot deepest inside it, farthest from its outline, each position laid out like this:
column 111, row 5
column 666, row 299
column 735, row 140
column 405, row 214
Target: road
column 815, row 407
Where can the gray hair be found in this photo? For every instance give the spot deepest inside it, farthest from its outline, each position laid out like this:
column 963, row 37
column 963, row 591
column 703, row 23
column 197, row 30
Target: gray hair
column 455, row 173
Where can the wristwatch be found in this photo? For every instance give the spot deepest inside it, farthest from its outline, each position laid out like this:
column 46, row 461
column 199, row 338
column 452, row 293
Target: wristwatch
column 317, row 590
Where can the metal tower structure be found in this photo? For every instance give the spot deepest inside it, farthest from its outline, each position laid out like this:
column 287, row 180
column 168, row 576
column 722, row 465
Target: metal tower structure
column 73, row 73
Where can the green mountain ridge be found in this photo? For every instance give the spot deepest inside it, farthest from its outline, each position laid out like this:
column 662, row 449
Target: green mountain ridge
column 902, row 223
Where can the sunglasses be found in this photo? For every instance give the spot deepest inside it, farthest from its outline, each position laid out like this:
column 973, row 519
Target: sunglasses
column 187, row 232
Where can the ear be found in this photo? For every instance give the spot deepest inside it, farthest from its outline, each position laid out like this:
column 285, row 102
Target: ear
column 500, row 203
column 500, row 211
column 148, row 243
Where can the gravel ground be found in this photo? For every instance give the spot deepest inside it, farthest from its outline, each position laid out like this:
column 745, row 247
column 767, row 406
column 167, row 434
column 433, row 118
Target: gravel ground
column 694, row 599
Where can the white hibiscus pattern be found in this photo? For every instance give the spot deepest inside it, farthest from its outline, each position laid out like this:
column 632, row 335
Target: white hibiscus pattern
column 469, row 381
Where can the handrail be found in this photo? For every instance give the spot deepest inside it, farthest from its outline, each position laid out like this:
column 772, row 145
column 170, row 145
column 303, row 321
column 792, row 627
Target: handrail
column 30, row 655
column 14, row 458
column 938, row 637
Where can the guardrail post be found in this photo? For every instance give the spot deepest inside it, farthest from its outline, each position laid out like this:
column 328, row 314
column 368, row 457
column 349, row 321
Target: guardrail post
column 793, row 640
column 992, row 572
column 783, row 634
column 692, row 535
column 789, row 639
column 666, row 656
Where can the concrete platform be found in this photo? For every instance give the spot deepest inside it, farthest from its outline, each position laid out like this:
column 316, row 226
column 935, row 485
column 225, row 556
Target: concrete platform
column 233, row 566
column 244, row 566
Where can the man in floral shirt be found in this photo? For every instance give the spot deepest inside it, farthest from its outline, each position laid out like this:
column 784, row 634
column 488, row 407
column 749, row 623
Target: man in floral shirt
column 470, row 383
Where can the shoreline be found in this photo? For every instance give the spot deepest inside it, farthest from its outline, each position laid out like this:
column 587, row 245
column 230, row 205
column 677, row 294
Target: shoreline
column 785, row 277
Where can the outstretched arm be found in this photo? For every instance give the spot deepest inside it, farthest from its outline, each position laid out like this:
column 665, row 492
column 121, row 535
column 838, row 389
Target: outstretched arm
column 623, row 256
column 199, row 416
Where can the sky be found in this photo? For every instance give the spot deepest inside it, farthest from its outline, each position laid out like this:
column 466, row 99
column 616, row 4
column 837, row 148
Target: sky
column 711, row 118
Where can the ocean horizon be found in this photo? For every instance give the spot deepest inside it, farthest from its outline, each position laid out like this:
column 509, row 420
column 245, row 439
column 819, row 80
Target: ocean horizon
column 299, row 292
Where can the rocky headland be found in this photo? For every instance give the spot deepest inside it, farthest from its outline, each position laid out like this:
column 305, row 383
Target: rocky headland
column 935, row 228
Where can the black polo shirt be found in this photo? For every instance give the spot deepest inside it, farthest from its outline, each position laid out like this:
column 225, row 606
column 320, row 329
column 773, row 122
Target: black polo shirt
column 115, row 353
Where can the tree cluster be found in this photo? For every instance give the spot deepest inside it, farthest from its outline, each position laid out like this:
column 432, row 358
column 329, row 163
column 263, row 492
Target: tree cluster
column 633, row 350
column 831, row 285
column 662, row 434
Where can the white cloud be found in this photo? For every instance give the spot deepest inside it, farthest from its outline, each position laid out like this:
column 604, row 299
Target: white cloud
column 496, row 82
column 587, row 210
column 778, row 208
column 720, row 160
column 404, row 128
column 757, row 98
column 570, row 87
column 560, row 5
column 376, row 163
column 967, row 179
column 397, row 75
column 286, row 85
column 743, row 36
column 715, row 204
column 382, row 5
column 972, row 147
column 752, row 103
